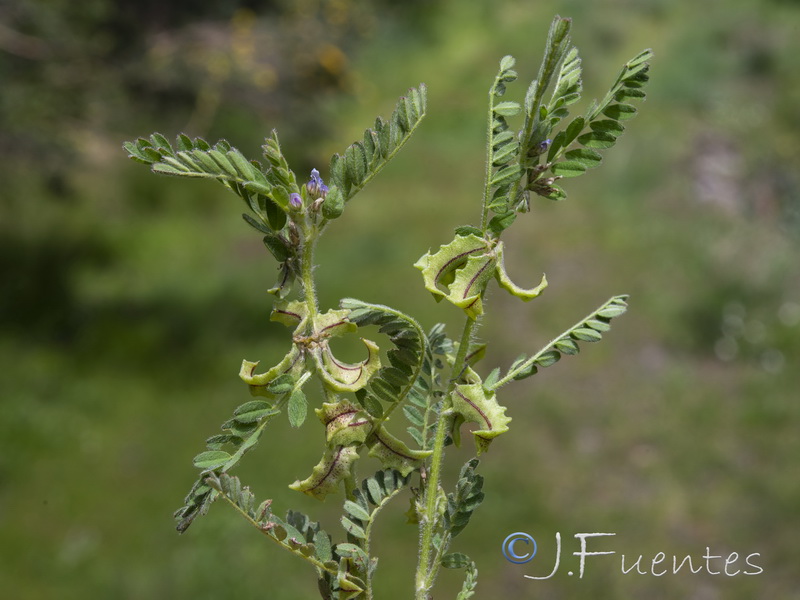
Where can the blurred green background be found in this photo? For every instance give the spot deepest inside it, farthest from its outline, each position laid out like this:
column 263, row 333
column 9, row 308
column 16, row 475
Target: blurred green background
column 128, row 300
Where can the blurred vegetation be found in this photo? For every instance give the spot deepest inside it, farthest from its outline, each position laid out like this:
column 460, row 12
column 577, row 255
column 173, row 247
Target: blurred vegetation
column 128, row 297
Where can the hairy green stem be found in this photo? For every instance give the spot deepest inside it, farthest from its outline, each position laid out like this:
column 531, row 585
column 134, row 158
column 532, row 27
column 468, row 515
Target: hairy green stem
column 307, row 268
column 426, row 569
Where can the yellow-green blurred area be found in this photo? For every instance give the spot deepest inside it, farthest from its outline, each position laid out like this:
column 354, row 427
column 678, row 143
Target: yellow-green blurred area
column 128, row 299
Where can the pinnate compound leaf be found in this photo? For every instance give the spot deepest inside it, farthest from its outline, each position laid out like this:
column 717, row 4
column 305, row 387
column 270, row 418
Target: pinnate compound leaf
column 266, row 193
column 470, row 583
column 466, row 498
column 603, row 118
column 568, row 86
column 503, row 144
column 589, row 329
column 279, row 174
column 627, row 86
column 556, row 50
column 393, row 382
column 242, row 432
column 242, row 498
column 365, row 158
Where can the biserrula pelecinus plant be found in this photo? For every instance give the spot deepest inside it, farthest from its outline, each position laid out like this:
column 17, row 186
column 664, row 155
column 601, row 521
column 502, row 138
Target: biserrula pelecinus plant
column 428, row 375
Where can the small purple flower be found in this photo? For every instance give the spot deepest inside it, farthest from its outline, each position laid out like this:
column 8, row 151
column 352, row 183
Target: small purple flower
column 315, row 186
column 543, row 146
column 295, row 201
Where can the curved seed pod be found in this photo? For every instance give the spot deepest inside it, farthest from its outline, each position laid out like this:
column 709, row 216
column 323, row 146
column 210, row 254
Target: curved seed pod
column 470, row 282
column 435, row 267
column 474, row 405
column 345, row 423
column 462, row 267
column 505, row 281
column 286, row 280
column 336, row 464
column 394, row 454
column 259, row 383
column 291, row 314
column 346, row 377
column 333, row 323
column 393, row 382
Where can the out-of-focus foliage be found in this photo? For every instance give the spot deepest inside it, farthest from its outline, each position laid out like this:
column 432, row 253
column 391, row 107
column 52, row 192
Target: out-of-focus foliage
column 108, row 333
column 80, row 76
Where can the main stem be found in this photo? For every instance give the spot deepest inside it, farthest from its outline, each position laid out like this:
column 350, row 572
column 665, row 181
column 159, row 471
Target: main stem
column 309, row 239
column 426, row 571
